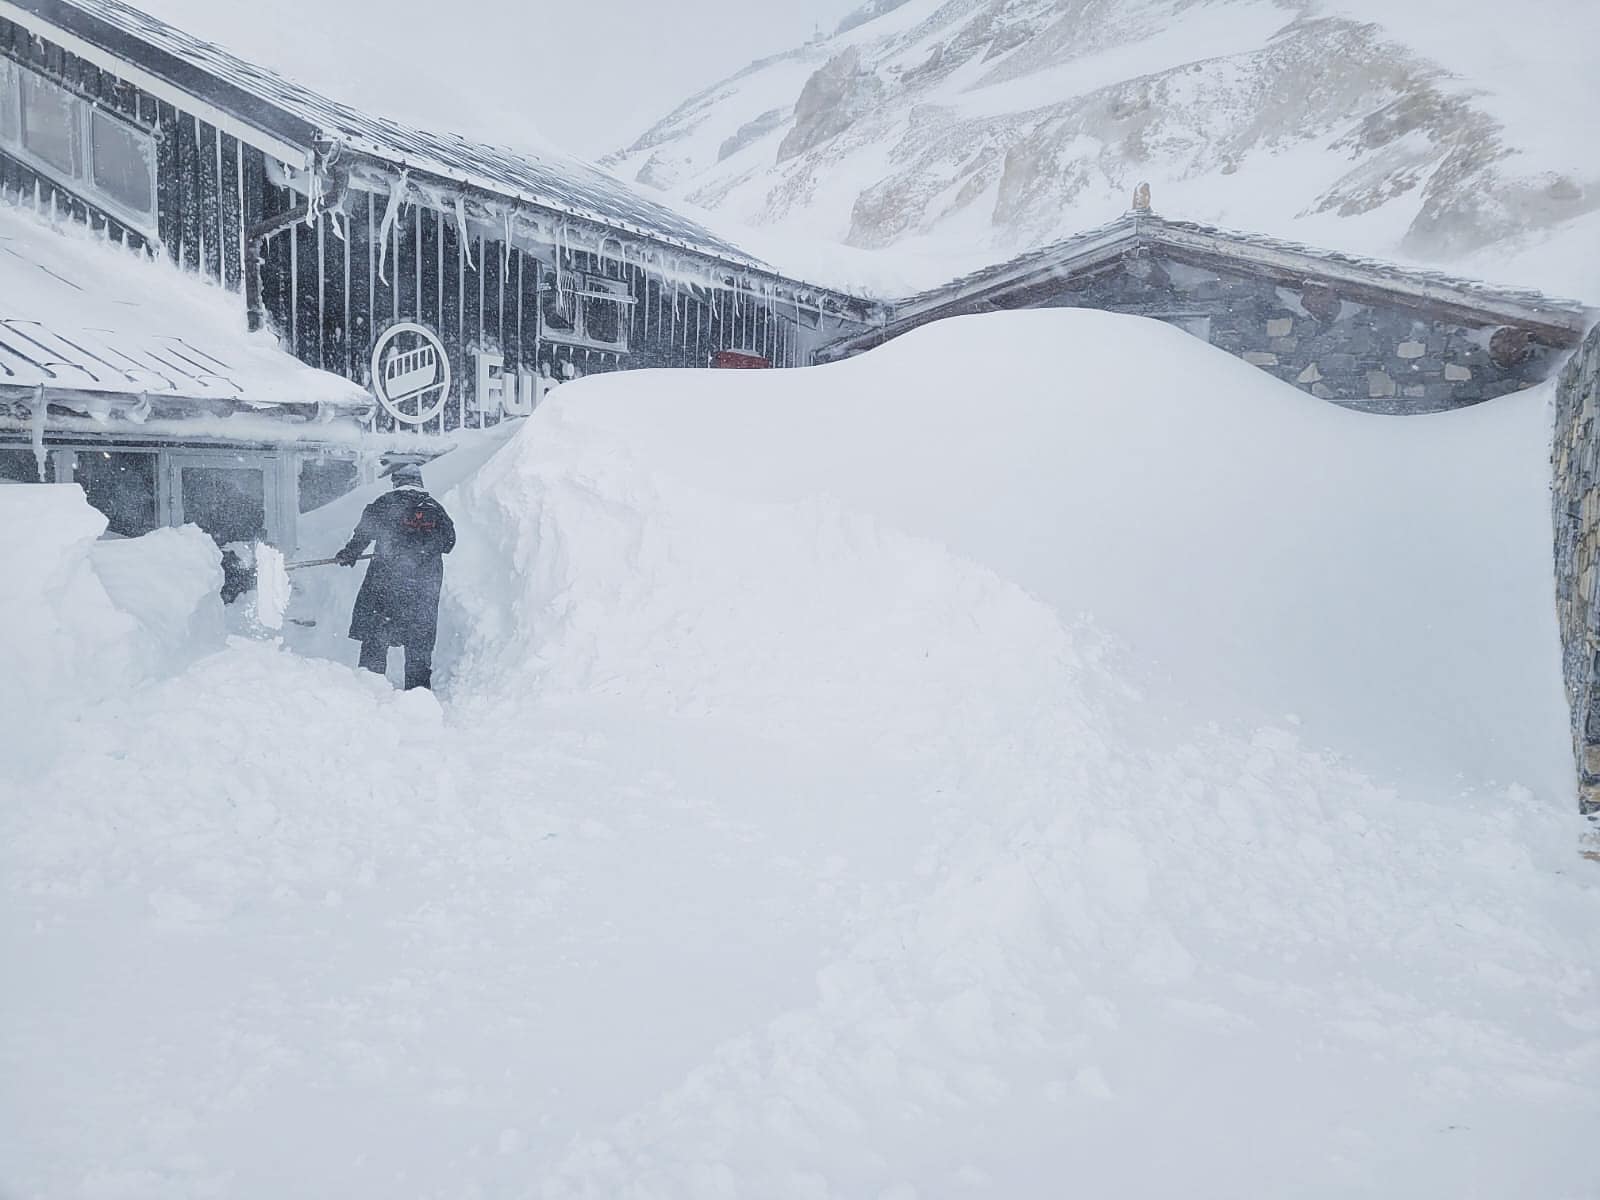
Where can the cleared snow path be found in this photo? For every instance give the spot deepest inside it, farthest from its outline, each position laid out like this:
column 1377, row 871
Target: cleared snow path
column 772, row 841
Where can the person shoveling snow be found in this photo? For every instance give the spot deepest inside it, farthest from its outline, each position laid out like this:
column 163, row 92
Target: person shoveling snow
column 398, row 604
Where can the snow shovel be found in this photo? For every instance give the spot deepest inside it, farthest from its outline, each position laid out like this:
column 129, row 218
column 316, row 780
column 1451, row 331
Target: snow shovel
column 321, row 562
column 272, row 583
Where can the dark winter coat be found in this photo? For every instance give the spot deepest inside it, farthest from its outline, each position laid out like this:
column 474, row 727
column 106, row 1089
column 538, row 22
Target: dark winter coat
column 399, row 599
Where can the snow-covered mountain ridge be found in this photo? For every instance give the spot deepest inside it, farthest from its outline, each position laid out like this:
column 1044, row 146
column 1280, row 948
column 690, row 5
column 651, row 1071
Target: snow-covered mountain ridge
column 959, row 131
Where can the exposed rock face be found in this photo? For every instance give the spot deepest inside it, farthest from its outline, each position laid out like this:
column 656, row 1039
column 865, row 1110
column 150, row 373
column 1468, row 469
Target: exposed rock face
column 996, row 124
column 840, row 93
column 752, row 131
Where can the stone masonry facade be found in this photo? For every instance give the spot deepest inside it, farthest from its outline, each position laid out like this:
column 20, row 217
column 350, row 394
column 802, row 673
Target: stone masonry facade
column 1377, row 357
column 1576, row 503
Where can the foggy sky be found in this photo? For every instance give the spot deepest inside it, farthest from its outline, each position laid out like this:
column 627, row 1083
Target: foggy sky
column 586, row 75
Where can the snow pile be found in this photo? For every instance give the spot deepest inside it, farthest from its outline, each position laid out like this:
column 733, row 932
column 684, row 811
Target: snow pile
column 85, row 618
column 272, row 586
column 1386, row 582
column 868, row 781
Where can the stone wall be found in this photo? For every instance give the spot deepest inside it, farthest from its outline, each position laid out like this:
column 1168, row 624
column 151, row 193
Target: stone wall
column 1381, row 358
column 1576, row 463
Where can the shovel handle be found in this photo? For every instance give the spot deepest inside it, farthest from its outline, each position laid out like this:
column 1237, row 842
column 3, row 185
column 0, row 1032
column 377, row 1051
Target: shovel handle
column 322, row 562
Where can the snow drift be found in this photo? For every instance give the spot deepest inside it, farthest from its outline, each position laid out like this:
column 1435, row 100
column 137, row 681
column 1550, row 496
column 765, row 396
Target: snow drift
column 1264, row 554
column 875, row 780
column 83, row 618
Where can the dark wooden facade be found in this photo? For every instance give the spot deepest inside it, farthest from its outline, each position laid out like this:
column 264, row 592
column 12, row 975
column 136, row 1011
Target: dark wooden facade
column 330, row 285
column 209, row 184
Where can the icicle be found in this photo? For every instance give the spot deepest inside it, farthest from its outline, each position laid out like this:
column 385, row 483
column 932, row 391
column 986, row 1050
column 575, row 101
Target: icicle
column 561, row 254
column 505, row 246
column 40, row 409
column 461, row 229
column 314, row 195
column 391, row 213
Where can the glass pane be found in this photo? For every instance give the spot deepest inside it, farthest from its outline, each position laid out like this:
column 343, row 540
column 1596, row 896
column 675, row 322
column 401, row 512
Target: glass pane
column 121, row 484
column 601, row 320
column 229, row 503
column 50, row 123
column 20, row 466
column 122, row 163
column 10, row 130
column 323, row 480
column 560, row 312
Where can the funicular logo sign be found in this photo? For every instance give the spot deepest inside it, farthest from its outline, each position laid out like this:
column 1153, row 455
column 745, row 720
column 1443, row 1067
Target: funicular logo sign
column 410, row 373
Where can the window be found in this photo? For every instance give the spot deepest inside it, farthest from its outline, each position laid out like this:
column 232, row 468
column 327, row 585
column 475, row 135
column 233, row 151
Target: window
column 20, row 466
column 110, row 162
column 560, row 309
column 324, row 480
column 121, row 159
column 50, row 125
column 10, row 121
column 229, row 503
column 602, row 320
column 122, row 485
column 587, row 311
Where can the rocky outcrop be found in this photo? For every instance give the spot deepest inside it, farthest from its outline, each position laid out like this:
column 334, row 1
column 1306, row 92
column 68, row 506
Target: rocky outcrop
column 752, row 131
column 833, row 99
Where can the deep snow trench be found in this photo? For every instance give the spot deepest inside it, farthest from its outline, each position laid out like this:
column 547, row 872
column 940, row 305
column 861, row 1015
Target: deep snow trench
column 1042, row 756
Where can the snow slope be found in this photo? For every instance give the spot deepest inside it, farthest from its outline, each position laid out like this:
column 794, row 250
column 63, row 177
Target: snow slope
column 855, row 782
column 948, row 133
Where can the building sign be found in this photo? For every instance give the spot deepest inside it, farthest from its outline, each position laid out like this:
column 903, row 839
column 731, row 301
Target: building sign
column 410, row 373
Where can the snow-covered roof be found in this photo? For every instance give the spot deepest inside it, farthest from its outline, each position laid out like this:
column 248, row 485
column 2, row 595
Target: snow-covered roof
column 1563, row 319
column 288, row 113
column 84, row 317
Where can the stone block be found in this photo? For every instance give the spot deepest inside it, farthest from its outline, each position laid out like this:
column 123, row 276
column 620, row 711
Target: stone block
column 1411, row 349
column 1334, row 364
column 1260, row 358
column 1284, row 345
column 1414, row 391
column 1457, row 374
column 1321, row 391
column 1591, row 761
column 1380, row 386
column 1280, row 327
column 1310, row 375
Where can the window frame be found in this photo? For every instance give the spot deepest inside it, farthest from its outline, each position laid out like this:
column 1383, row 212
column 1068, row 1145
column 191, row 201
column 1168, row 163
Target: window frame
column 82, row 181
column 600, row 289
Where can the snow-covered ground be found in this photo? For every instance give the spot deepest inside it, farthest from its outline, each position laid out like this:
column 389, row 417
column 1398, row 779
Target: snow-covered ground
column 931, row 775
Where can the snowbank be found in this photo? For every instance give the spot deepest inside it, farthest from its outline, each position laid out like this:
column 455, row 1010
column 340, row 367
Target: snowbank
column 84, row 619
column 1386, row 583
column 869, row 781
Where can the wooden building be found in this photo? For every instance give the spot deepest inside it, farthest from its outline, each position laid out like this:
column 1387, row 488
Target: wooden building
column 1360, row 333
column 455, row 281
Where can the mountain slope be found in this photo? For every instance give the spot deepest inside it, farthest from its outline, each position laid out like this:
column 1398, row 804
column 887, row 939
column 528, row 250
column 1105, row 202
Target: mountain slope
column 970, row 129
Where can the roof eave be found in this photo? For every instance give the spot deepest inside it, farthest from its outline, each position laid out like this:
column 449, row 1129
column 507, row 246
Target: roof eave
column 285, row 137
